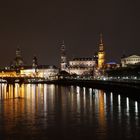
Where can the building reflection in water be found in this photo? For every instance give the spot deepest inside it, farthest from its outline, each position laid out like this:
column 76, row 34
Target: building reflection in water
column 111, row 101
column 136, row 114
column 34, row 106
column 127, row 105
column 119, row 108
column 136, row 107
column 78, row 98
column 102, row 119
column 119, row 104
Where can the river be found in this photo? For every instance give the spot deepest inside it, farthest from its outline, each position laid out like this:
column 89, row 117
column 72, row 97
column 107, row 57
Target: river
column 41, row 111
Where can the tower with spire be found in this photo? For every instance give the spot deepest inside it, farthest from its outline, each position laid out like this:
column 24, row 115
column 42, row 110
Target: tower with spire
column 18, row 61
column 101, row 53
column 63, row 63
column 34, row 62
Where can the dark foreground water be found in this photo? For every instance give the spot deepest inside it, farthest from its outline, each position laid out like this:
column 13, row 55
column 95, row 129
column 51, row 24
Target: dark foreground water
column 57, row 112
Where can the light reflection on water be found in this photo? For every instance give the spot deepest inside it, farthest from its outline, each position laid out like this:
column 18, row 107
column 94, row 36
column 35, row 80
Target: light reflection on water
column 48, row 111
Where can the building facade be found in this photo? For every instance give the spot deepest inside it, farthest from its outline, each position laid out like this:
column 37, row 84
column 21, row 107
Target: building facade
column 81, row 66
column 130, row 60
column 84, row 66
column 42, row 71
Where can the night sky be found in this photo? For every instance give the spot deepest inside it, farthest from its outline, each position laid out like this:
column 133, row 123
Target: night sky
column 37, row 27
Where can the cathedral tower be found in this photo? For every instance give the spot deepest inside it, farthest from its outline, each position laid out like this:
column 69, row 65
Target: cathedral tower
column 63, row 63
column 101, row 54
column 18, row 61
column 34, row 62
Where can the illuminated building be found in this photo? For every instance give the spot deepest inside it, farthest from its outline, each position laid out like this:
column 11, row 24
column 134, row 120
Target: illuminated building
column 130, row 60
column 88, row 66
column 42, row 71
column 7, row 73
column 81, row 66
column 28, row 71
column 63, row 63
column 101, row 54
column 47, row 71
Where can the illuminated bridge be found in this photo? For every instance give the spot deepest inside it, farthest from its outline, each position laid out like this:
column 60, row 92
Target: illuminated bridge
column 19, row 79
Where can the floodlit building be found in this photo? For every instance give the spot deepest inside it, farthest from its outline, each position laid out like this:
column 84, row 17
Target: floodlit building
column 130, row 60
column 81, row 66
column 47, row 71
column 8, row 73
column 42, row 71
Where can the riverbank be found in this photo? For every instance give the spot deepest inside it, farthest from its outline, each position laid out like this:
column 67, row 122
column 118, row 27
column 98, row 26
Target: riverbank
column 132, row 88
column 127, row 87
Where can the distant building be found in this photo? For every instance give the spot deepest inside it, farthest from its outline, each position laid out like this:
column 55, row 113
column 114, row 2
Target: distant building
column 112, row 65
column 84, row 66
column 18, row 61
column 130, row 60
column 101, row 54
column 43, row 71
column 81, row 66
column 47, row 71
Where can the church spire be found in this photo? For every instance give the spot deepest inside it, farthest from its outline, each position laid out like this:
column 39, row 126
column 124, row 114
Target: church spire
column 101, row 45
column 63, row 62
column 101, row 53
column 101, row 38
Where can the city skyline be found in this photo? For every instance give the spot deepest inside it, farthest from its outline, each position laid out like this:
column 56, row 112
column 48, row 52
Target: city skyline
column 37, row 27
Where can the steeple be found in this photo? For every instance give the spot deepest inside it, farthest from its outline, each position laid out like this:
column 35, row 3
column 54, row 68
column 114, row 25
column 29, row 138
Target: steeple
column 18, row 52
column 18, row 61
column 101, row 45
column 63, row 62
column 101, row 38
column 35, row 62
column 101, row 53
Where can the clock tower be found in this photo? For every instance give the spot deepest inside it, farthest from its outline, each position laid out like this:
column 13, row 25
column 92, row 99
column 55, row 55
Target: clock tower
column 63, row 63
column 101, row 54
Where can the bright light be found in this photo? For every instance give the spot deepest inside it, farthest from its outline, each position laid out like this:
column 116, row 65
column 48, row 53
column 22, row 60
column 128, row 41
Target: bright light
column 119, row 100
column 127, row 104
column 84, row 89
column 90, row 90
column 78, row 89
column 136, row 106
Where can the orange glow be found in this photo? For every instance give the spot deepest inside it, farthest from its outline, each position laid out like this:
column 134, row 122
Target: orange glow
column 101, row 109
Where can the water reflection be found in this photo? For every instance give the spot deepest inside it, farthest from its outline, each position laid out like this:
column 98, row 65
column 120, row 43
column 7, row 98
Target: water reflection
column 72, row 111
column 136, row 107
column 102, row 119
column 127, row 105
